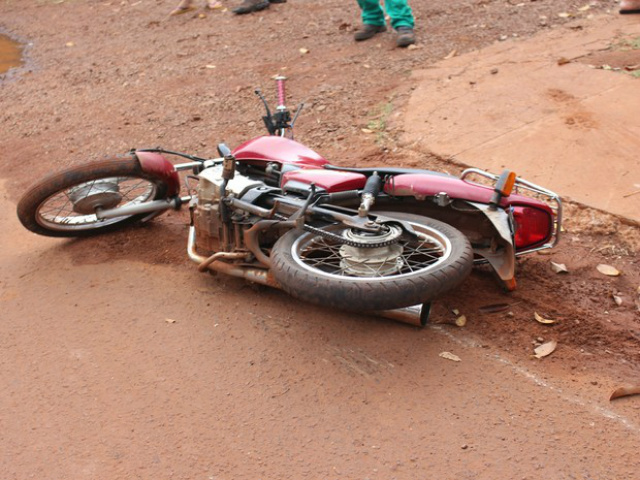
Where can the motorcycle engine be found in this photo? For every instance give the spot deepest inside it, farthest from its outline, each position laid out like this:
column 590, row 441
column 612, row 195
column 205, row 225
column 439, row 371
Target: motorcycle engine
column 209, row 228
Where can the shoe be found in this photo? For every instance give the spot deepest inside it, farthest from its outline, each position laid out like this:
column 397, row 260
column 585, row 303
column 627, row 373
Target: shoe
column 406, row 37
column 368, row 31
column 249, row 6
column 629, row 6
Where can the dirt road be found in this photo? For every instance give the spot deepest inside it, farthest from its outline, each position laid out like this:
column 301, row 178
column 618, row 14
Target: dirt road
column 119, row 360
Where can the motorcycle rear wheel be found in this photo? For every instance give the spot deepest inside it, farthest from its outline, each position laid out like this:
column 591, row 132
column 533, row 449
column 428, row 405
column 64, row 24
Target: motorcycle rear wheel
column 64, row 204
column 313, row 268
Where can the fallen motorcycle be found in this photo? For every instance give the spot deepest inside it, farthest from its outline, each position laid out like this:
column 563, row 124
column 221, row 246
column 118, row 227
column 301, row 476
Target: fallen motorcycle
column 275, row 212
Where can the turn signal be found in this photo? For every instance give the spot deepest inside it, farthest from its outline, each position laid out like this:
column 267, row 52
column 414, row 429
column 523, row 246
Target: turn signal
column 505, row 183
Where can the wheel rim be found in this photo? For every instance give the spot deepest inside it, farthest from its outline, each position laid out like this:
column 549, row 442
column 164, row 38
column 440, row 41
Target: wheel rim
column 326, row 257
column 69, row 209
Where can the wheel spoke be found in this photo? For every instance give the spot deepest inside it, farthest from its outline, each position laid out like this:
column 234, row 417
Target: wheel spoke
column 323, row 254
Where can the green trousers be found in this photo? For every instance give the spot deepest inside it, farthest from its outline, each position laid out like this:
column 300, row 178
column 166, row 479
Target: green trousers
column 398, row 10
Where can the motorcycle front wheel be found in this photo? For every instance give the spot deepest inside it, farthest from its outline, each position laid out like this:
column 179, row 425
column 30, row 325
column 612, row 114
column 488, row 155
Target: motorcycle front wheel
column 64, row 204
column 320, row 269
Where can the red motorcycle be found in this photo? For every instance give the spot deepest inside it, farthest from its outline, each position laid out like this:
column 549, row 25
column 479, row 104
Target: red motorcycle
column 275, row 212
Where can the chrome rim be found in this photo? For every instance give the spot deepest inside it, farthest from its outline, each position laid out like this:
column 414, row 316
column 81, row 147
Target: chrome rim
column 328, row 258
column 70, row 209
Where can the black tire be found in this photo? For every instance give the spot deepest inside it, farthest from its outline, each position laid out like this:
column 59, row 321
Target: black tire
column 301, row 269
column 53, row 207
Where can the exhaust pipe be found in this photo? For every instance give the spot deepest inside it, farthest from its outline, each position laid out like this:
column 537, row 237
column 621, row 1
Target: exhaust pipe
column 416, row 315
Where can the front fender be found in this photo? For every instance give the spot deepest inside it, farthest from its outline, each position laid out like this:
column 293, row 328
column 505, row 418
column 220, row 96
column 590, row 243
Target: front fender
column 157, row 166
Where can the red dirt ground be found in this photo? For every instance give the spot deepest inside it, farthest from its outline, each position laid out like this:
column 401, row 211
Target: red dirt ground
column 247, row 382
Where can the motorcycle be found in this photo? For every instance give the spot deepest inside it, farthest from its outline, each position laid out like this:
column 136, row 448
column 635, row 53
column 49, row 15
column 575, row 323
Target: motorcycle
column 277, row 213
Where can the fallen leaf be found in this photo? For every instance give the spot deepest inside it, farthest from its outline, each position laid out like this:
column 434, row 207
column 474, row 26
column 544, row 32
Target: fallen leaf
column 366, row 130
column 304, row 51
column 540, row 319
column 456, row 311
column 624, row 392
column 585, row 8
column 461, row 321
column 564, row 15
column 559, row 267
column 210, row 67
column 170, row 320
column 450, row 356
column 451, row 54
column 608, row 270
column 495, row 308
column 545, row 349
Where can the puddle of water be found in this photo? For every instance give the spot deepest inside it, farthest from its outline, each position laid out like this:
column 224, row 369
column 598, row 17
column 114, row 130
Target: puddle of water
column 10, row 54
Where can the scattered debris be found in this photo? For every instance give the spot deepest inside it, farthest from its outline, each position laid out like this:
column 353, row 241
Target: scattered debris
column 461, row 321
column 450, row 356
column 545, row 349
column 608, row 270
column 494, row 308
column 559, row 267
column 624, row 392
column 451, row 54
column 545, row 321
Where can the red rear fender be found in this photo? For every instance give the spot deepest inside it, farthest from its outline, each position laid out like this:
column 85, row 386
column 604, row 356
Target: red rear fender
column 157, row 166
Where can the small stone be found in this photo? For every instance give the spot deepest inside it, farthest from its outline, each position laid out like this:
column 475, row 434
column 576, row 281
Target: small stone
column 464, row 447
column 494, row 71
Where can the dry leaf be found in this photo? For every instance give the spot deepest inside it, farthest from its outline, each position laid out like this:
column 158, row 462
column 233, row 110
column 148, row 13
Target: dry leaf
column 585, row 8
column 545, row 349
column 451, row 54
column 461, row 321
column 304, row 51
column 540, row 319
column 210, row 67
column 495, row 308
column 170, row 320
column 564, row 15
column 559, row 267
column 608, row 270
column 450, row 356
column 366, row 130
column 624, row 392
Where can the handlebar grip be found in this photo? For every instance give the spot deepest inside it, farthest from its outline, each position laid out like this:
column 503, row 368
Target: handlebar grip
column 342, row 196
column 373, row 185
column 281, row 92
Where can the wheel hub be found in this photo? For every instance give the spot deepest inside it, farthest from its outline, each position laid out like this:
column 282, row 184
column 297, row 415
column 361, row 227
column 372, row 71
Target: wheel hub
column 367, row 262
column 87, row 198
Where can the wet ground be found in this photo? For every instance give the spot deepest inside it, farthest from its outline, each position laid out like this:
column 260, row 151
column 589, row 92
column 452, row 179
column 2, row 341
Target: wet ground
column 10, row 54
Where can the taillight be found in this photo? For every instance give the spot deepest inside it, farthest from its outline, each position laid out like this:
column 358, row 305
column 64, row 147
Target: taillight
column 533, row 226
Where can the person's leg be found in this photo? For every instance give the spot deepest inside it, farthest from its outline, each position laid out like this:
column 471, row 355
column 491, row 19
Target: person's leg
column 402, row 21
column 372, row 18
column 400, row 13
column 372, row 13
